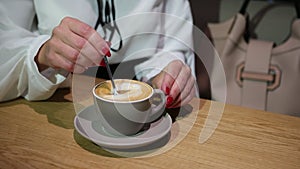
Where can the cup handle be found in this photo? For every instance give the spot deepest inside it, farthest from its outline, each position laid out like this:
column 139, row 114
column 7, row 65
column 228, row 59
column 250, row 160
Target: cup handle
column 157, row 109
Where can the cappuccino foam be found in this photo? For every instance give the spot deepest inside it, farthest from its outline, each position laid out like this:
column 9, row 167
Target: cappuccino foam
column 128, row 90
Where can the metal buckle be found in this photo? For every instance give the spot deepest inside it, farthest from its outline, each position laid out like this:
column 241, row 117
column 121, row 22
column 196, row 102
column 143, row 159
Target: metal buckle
column 272, row 78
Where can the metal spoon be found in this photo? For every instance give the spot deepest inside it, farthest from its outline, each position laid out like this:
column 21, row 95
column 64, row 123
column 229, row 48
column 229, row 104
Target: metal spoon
column 110, row 76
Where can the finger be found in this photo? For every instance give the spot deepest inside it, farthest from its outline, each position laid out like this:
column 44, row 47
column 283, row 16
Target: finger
column 60, row 61
column 80, row 28
column 78, row 69
column 84, row 61
column 185, row 92
column 157, row 80
column 186, row 100
column 102, row 63
column 180, row 82
column 185, row 88
column 57, row 61
column 52, row 57
column 169, row 101
column 89, row 55
column 88, row 33
column 83, row 38
column 89, row 52
column 69, row 53
column 170, row 74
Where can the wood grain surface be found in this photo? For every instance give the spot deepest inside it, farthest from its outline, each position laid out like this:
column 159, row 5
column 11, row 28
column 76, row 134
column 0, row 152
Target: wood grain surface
column 41, row 135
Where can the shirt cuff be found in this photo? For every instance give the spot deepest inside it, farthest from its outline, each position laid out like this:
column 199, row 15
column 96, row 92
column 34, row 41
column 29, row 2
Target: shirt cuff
column 43, row 84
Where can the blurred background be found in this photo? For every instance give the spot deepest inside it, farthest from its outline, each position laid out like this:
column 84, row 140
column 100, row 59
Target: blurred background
column 279, row 17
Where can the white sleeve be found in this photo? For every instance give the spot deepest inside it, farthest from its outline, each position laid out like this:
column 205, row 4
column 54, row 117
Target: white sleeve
column 176, row 42
column 19, row 75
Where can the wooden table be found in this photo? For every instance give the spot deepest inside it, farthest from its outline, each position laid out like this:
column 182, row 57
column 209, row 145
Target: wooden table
column 41, row 135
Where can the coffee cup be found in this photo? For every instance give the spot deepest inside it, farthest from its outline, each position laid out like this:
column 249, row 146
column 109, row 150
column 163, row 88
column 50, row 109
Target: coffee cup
column 126, row 113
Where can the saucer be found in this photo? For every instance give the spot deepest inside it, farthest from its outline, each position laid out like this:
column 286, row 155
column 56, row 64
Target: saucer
column 88, row 125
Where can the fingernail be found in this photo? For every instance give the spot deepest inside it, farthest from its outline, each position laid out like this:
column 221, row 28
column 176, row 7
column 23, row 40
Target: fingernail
column 108, row 43
column 106, row 51
column 167, row 90
column 169, row 100
column 102, row 63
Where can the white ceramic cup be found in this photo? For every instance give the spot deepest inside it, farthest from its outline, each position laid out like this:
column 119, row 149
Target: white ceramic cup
column 128, row 117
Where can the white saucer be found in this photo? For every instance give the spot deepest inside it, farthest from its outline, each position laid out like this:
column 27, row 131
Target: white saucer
column 87, row 124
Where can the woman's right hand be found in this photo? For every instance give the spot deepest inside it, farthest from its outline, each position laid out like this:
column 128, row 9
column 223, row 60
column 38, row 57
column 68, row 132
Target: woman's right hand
column 73, row 46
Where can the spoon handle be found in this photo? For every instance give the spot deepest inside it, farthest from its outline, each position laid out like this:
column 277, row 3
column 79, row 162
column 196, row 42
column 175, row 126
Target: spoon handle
column 110, row 75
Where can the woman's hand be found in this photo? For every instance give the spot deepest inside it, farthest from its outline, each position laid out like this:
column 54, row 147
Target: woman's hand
column 73, row 46
column 177, row 82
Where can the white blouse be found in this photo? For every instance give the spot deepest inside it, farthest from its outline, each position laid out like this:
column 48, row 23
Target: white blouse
column 160, row 30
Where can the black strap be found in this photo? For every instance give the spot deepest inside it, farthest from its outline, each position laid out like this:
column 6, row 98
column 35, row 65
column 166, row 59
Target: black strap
column 244, row 7
column 107, row 18
column 249, row 32
column 108, row 13
column 246, row 3
column 99, row 20
column 113, row 10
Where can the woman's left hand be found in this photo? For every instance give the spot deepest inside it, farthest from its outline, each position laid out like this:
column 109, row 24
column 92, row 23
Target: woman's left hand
column 177, row 82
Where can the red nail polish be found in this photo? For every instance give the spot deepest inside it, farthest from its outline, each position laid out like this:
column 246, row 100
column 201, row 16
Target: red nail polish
column 167, row 90
column 106, row 51
column 108, row 54
column 102, row 63
column 169, row 100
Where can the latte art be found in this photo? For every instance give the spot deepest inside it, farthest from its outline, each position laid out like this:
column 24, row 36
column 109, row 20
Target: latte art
column 128, row 90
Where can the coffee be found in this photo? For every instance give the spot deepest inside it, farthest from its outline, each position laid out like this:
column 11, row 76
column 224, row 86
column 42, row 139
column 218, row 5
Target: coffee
column 129, row 90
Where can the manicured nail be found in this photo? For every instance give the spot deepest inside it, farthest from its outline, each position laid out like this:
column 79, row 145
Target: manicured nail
column 106, row 51
column 169, row 100
column 102, row 63
column 167, row 90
